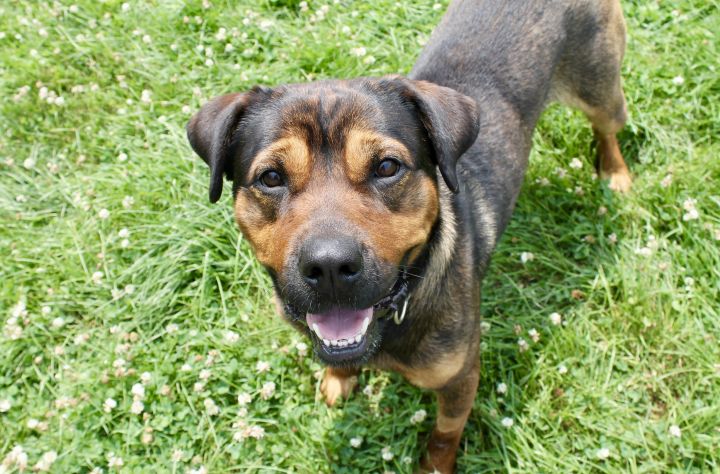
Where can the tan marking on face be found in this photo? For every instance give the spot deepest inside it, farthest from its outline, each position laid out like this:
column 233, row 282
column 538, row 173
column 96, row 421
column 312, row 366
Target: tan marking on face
column 362, row 146
column 290, row 153
column 271, row 238
column 393, row 234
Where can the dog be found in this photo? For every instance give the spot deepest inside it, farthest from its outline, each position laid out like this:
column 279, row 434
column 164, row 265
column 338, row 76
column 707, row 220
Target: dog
column 375, row 203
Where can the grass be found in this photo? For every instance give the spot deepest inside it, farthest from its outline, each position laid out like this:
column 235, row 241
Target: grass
column 84, row 315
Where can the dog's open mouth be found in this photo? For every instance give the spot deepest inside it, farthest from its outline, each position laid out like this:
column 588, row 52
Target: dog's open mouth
column 341, row 328
column 344, row 334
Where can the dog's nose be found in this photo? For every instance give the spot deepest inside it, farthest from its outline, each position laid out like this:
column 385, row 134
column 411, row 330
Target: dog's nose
column 331, row 265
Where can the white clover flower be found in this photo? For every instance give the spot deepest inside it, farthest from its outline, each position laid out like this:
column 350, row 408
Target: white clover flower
column 387, row 455
column 267, row 391
column 146, row 377
column 125, row 7
column 418, row 417
column 484, row 327
column 210, row 407
column 523, row 345
column 244, row 399
column 46, row 461
column 262, row 366
column 29, row 163
column 534, row 335
column 32, row 423
column 675, row 431
column 5, row 405
column 129, row 289
column 198, row 387
column 369, row 60
column 603, row 453
column 501, row 388
column 231, row 337
column 257, row 432
column 186, row 109
column 103, row 213
column 644, row 251
column 122, row 157
column 114, row 461
column 138, row 391
column 562, row 369
column 526, row 257
column 302, row 348
column 612, row 238
column 177, row 455
column 692, row 213
column 185, row 368
column 575, row 163
column 58, row 322
column 128, row 201
column 666, row 181
column 678, row 80
column 209, row 62
column 171, row 328
column 109, row 405
column 137, row 407
column 146, row 39
column 359, row 52
column 97, row 277
column 124, row 243
column 117, row 363
column 199, row 470
column 507, row 422
column 356, row 441
column 205, row 374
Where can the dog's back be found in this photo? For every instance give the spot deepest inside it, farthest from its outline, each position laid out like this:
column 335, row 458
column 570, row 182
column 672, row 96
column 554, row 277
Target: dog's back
column 513, row 57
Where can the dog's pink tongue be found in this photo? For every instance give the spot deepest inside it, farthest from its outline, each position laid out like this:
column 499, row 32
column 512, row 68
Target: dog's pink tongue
column 339, row 323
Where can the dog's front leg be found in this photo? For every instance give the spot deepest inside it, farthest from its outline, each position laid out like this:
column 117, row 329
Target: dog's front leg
column 455, row 400
column 337, row 383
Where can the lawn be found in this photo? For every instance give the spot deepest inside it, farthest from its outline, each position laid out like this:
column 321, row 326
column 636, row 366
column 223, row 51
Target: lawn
column 136, row 330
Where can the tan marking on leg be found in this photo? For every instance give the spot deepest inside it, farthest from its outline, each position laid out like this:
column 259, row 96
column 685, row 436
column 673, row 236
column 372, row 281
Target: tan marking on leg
column 455, row 402
column 611, row 164
column 338, row 383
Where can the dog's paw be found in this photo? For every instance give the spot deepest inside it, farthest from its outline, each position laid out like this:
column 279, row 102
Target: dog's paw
column 619, row 181
column 337, row 384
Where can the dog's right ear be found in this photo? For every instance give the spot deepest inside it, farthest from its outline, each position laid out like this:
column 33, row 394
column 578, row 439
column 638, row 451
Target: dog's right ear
column 211, row 129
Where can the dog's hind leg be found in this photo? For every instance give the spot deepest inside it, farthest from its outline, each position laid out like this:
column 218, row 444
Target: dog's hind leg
column 588, row 78
column 338, row 383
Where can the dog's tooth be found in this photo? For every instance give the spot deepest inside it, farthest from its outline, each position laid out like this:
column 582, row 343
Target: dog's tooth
column 342, row 343
column 334, row 342
column 365, row 325
column 326, row 342
column 358, row 338
column 316, row 328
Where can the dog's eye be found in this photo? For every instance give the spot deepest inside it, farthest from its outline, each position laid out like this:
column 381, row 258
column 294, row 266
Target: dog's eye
column 271, row 179
column 387, row 168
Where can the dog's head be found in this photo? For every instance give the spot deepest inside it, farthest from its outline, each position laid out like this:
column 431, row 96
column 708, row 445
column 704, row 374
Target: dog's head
column 335, row 188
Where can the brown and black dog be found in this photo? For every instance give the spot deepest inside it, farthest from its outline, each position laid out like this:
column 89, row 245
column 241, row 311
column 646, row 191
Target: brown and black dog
column 375, row 203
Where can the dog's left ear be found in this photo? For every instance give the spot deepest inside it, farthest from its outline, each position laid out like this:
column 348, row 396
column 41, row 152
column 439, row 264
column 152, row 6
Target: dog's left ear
column 211, row 129
column 451, row 120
